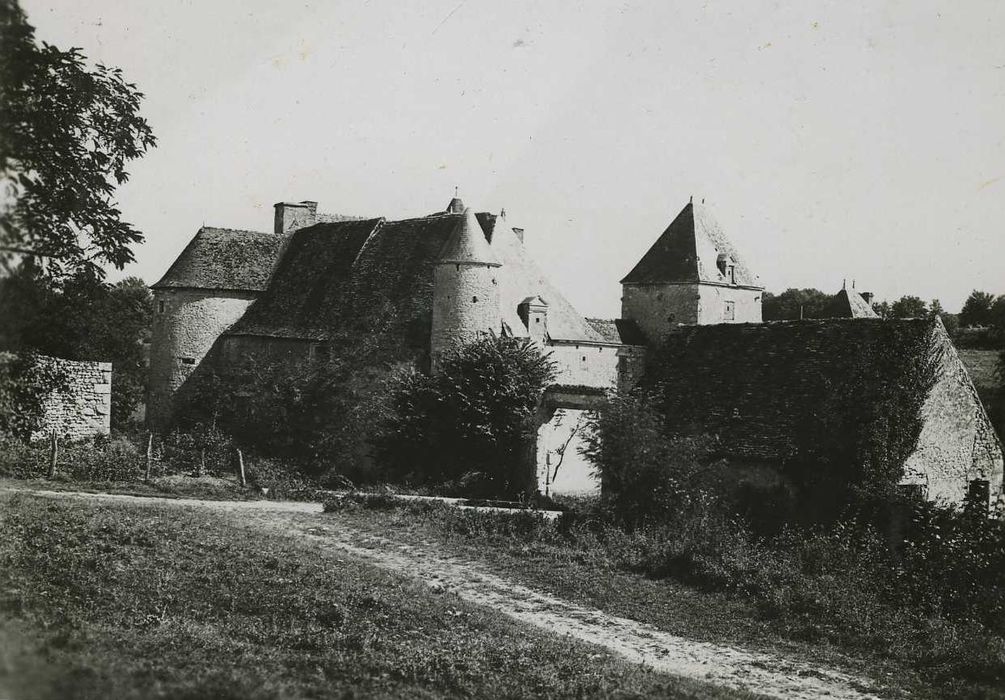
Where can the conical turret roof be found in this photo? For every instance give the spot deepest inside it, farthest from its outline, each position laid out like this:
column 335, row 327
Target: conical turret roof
column 467, row 243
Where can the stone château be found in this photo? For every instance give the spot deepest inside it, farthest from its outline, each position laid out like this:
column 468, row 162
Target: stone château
column 414, row 289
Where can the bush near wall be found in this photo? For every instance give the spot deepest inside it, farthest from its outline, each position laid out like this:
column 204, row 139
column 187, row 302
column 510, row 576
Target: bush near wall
column 26, row 381
column 468, row 427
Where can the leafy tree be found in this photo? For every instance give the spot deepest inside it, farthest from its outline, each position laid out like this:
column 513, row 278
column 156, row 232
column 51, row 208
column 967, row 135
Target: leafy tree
column 84, row 319
column 793, row 304
column 647, row 472
column 976, row 309
column 996, row 317
column 67, row 132
column 316, row 412
column 469, row 424
column 909, row 307
column 950, row 321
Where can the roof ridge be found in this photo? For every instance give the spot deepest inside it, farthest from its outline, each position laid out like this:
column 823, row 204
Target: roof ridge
column 237, row 230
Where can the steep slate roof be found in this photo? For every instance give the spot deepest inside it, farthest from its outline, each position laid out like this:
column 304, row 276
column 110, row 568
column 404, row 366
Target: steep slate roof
column 223, row 258
column 376, row 277
column 618, row 330
column 467, row 243
column 687, row 252
column 753, row 384
column 847, row 304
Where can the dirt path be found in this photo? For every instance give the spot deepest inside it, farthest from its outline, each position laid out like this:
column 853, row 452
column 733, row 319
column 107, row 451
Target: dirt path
column 725, row 666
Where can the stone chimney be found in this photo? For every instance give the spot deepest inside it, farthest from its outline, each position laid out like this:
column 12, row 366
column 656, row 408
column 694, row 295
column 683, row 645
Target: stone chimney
column 291, row 216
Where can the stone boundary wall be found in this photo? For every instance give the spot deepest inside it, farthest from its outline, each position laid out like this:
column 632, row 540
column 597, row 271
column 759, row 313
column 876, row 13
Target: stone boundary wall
column 86, row 408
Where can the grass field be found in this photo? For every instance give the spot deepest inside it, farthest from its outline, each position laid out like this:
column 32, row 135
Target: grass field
column 127, row 601
column 981, row 365
column 901, row 652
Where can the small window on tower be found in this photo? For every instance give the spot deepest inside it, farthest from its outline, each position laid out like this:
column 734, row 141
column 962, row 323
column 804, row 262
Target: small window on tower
column 474, row 300
column 729, row 312
column 160, row 307
column 188, row 360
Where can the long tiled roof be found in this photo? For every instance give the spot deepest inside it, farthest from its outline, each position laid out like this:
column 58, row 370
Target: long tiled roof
column 753, row 384
column 223, row 258
column 341, row 279
column 687, row 252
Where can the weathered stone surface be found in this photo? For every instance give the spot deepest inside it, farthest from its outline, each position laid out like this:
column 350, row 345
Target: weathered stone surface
column 85, row 409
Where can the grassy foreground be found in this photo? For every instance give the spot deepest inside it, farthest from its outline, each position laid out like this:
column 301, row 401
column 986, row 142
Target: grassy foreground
column 903, row 651
column 130, row 601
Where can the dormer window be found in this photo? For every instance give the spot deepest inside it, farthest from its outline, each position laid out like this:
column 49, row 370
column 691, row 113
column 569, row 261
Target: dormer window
column 727, row 268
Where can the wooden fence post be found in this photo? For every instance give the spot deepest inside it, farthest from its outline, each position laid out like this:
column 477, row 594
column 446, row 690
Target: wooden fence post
column 150, row 455
column 53, row 453
column 240, row 467
column 201, row 469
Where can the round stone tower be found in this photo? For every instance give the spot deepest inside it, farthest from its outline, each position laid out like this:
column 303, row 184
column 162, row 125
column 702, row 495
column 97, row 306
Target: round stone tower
column 465, row 289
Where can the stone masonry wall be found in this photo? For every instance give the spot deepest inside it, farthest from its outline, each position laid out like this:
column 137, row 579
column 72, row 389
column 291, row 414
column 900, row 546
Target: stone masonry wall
column 86, row 408
column 657, row 308
column 465, row 305
column 187, row 322
column 712, row 304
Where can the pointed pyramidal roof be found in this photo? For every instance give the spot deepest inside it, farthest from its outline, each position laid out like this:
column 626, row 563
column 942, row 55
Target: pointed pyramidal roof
column 847, row 304
column 456, row 206
column 467, row 244
column 688, row 251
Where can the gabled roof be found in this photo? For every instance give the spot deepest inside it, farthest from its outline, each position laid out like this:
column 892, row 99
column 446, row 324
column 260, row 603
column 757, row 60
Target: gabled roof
column 847, row 304
column 467, row 244
column 688, row 252
column 376, row 277
column 755, row 384
column 618, row 330
column 222, row 258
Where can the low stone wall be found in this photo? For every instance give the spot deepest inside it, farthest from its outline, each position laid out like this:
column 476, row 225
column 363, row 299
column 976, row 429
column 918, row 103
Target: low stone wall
column 85, row 409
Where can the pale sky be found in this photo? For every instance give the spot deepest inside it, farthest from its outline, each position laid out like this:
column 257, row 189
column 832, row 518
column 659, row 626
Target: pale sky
column 859, row 140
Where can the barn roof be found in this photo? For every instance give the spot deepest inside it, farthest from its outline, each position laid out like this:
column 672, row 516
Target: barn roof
column 754, row 384
column 687, row 252
column 223, row 258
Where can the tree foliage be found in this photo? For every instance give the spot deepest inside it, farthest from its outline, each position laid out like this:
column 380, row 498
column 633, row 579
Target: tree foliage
column 316, row 412
column 793, row 304
column 26, row 381
column 647, row 472
column 471, row 421
column 976, row 309
column 67, row 132
column 909, row 307
column 83, row 319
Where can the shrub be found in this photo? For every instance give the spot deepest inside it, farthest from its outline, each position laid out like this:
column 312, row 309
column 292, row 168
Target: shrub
column 646, row 473
column 469, row 424
column 26, row 381
column 317, row 412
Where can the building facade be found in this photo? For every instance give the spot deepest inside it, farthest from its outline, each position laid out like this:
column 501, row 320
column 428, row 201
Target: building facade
column 412, row 290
